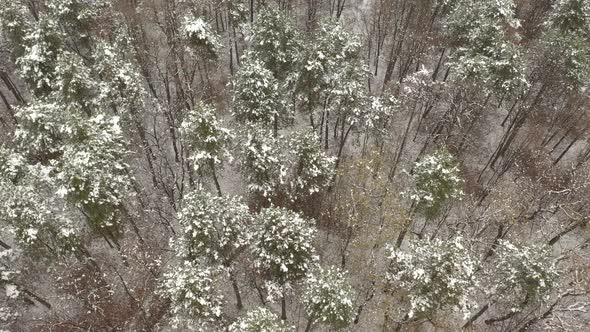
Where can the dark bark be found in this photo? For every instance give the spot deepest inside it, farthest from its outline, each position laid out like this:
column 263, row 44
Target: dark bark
column 234, row 283
column 215, row 180
column 4, row 245
column 36, row 297
column 476, row 316
column 283, row 307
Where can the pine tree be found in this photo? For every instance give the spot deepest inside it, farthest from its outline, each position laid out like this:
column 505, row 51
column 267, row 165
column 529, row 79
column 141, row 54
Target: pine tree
column 256, row 96
column 282, row 247
column 195, row 302
column 313, row 169
column 276, row 42
column 331, row 67
column 262, row 161
column 328, row 298
column 435, row 274
column 69, row 125
column 206, row 141
column 486, row 50
column 437, row 180
column 566, row 41
column 201, row 38
column 214, row 228
column 519, row 275
column 260, row 320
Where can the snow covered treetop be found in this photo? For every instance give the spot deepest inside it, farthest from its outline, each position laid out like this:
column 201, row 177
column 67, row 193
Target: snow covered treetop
column 191, row 289
column 436, row 274
column 328, row 297
column 282, row 244
column 276, row 41
column 486, row 39
column 213, row 227
column 260, row 320
column 437, row 179
column 521, row 274
column 571, row 15
column 206, row 140
column 256, row 96
column 201, row 37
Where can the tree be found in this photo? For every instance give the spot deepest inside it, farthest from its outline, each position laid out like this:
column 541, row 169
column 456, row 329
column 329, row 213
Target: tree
column 333, row 81
column 194, row 299
column 520, row 275
column 8, row 276
column 77, row 16
column 328, row 298
column 294, row 166
column 256, row 97
column 36, row 222
column 436, row 180
column 277, row 43
column 200, row 37
column 262, row 161
column 206, row 141
column 571, row 16
column 39, row 135
column 86, row 158
column 119, row 85
column 435, row 274
column 68, row 124
column 487, row 51
column 214, row 228
column 282, row 247
column 15, row 25
column 44, row 39
column 92, row 173
column 30, row 211
column 259, row 320
column 313, row 169
column 331, row 67
column 566, row 40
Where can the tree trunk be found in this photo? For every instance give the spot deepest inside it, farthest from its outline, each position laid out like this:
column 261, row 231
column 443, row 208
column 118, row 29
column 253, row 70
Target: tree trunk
column 234, row 283
column 4, row 245
column 310, row 323
column 283, row 307
column 476, row 316
column 36, row 297
column 215, row 180
column 402, row 144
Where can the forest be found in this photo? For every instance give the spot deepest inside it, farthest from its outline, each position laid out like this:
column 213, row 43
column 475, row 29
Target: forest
column 294, row 165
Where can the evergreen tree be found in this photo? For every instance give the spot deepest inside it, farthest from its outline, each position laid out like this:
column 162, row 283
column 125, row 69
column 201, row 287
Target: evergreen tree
column 195, row 302
column 566, row 41
column 435, row 274
column 206, row 141
column 201, row 38
column 486, row 50
column 262, row 161
column 332, row 69
column 519, row 275
column 313, row 169
column 214, row 228
column 276, row 42
column 328, row 298
column 256, row 96
column 259, row 320
column 282, row 247
column 437, row 180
